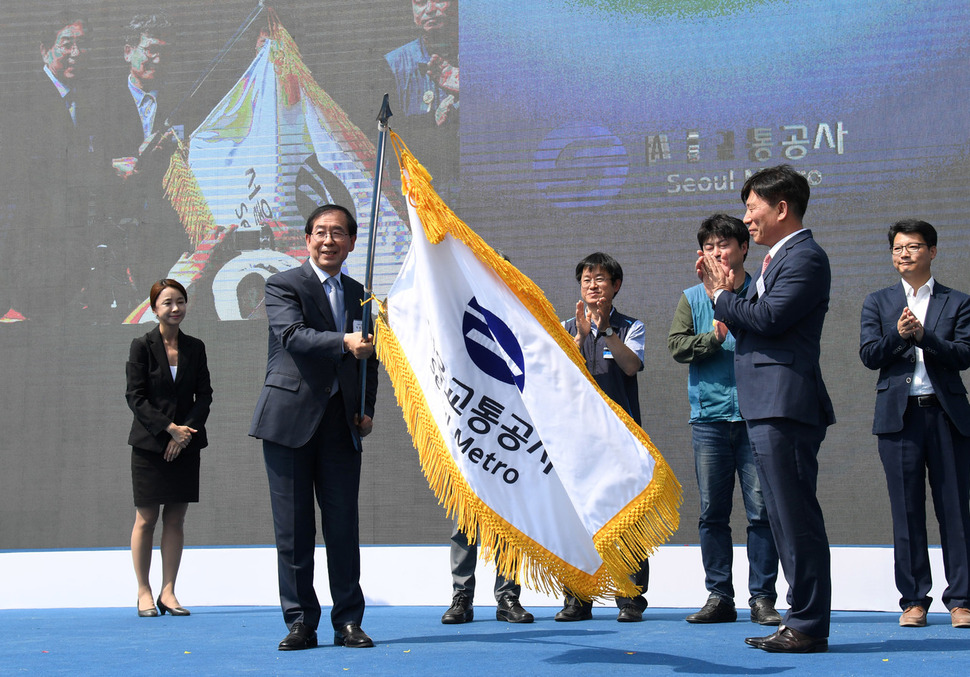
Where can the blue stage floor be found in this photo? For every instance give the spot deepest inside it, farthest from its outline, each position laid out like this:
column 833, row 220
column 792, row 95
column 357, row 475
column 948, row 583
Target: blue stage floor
column 412, row 641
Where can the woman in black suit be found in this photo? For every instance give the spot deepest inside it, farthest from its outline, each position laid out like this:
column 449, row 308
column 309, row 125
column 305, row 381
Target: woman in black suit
column 169, row 393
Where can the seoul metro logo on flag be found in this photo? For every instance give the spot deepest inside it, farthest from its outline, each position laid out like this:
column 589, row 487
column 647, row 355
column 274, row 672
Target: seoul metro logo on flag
column 492, row 346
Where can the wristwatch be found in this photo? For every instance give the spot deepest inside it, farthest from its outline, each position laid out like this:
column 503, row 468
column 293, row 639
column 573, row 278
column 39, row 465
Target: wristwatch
column 608, row 331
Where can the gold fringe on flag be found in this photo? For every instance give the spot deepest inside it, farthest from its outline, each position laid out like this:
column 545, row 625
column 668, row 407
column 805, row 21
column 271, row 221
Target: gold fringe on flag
column 180, row 185
column 633, row 534
column 183, row 191
column 519, row 557
column 294, row 77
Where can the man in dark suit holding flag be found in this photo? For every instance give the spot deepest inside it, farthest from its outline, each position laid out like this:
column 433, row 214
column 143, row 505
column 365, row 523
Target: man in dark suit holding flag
column 311, row 430
column 778, row 327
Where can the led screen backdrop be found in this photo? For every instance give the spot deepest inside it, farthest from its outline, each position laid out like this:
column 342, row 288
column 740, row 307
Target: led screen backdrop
column 581, row 125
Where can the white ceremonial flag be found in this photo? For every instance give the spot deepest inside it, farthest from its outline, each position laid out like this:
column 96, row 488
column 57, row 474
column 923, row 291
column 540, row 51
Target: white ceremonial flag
column 515, row 437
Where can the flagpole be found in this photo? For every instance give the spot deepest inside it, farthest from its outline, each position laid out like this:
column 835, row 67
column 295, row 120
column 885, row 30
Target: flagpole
column 382, row 128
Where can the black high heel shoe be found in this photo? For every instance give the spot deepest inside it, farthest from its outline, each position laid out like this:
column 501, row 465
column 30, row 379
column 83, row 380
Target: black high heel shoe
column 175, row 611
column 146, row 613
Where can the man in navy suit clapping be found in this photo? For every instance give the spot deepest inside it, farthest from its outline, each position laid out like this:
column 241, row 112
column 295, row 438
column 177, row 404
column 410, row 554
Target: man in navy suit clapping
column 917, row 334
column 778, row 328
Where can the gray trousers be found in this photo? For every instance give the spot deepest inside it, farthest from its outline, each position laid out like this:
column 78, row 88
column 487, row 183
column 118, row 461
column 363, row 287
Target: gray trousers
column 463, row 557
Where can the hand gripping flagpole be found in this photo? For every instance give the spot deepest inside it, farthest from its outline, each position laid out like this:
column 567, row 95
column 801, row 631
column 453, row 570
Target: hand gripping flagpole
column 382, row 128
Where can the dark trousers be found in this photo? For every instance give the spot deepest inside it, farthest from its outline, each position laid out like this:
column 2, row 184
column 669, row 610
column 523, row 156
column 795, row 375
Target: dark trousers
column 326, row 468
column 786, row 455
column 464, row 556
column 641, row 579
column 928, row 444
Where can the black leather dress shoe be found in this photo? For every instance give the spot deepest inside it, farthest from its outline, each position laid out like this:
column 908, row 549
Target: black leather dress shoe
column 716, row 610
column 510, row 610
column 460, row 611
column 763, row 612
column 756, row 642
column 300, row 637
column 175, row 611
column 789, row 640
column 629, row 613
column 575, row 612
column 350, row 635
column 148, row 613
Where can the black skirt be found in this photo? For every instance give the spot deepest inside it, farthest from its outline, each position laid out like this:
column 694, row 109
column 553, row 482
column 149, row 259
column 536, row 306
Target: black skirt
column 155, row 481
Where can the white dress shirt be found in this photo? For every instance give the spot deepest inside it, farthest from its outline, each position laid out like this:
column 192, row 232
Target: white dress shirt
column 918, row 301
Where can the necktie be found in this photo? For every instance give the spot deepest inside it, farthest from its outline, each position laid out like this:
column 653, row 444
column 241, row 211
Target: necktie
column 71, row 102
column 333, row 294
column 759, row 285
column 147, row 109
column 336, row 305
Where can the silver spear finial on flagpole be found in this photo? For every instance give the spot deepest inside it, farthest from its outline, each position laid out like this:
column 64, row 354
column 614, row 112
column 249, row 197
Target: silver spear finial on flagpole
column 382, row 128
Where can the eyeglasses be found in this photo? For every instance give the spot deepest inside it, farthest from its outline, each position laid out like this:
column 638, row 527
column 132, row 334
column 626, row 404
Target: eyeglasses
column 598, row 280
column 68, row 46
column 912, row 248
column 335, row 235
column 153, row 50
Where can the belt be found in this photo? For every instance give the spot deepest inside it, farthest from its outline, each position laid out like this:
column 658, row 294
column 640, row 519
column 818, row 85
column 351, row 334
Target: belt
column 924, row 400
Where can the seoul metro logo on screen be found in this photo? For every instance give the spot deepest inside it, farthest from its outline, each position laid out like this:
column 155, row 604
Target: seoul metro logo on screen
column 580, row 165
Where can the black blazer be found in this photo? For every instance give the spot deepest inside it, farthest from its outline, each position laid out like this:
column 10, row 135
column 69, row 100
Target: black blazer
column 124, row 138
column 51, row 171
column 156, row 400
column 154, row 246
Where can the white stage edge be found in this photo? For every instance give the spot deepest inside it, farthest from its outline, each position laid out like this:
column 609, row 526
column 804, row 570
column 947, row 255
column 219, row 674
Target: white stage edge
column 397, row 576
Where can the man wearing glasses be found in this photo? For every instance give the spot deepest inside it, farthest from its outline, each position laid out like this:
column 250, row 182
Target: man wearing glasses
column 612, row 345
column 140, row 150
column 917, row 334
column 423, row 78
column 309, row 421
column 49, row 175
